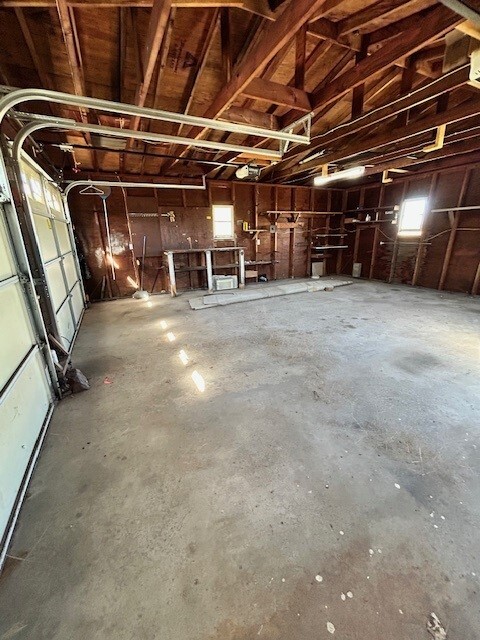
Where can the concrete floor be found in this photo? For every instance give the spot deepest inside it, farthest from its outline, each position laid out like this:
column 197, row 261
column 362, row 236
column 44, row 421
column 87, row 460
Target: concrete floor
column 160, row 512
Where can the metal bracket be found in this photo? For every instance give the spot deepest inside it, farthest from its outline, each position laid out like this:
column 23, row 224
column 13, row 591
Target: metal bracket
column 305, row 122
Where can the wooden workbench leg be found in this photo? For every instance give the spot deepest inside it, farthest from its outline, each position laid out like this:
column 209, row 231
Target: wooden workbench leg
column 171, row 275
column 241, row 268
column 208, row 262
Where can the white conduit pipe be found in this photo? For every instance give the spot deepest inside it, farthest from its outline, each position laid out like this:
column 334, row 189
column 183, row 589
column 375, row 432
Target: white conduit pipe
column 12, row 99
column 73, row 125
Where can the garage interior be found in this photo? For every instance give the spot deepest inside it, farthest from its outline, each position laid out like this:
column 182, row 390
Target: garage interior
column 239, row 319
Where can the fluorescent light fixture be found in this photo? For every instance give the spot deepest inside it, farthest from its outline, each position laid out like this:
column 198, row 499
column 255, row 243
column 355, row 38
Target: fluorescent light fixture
column 183, row 357
column 312, row 157
column 353, row 172
column 163, row 324
column 199, row 381
column 170, row 336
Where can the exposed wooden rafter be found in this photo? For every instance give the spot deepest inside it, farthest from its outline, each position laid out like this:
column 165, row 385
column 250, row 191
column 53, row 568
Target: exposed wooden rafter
column 155, row 38
column 268, row 91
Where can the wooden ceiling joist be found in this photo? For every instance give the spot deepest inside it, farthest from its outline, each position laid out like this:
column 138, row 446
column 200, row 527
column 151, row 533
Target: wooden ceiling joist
column 429, row 92
column 155, row 37
column 74, row 55
column 440, row 20
column 354, row 148
column 276, row 35
column 268, row 91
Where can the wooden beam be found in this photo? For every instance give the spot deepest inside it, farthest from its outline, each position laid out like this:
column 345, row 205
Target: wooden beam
column 249, row 116
column 73, row 52
column 358, row 92
column 268, row 91
column 226, row 44
column 276, row 35
column 122, row 51
column 300, row 57
column 324, row 29
column 453, row 231
column 354, row 147
column 449, row 82
column 406, row 85
column 362, row 20
column 155, row 36
column 440, row 20
column 259, row 7
column 42, row 73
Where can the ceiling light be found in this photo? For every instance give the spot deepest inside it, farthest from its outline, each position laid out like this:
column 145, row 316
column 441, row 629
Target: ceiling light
column 313, row 156
column 353, row 172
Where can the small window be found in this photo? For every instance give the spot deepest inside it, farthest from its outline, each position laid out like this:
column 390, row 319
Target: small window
column 223, row 221
column 36, row 188
column 411, row 216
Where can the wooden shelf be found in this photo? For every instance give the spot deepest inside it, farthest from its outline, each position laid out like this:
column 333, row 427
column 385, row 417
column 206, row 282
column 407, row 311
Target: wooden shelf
column 233, row 265
column 187, row 269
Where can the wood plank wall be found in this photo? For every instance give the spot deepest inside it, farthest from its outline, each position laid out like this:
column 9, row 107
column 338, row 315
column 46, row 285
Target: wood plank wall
column 448, row 256
column 140, row 212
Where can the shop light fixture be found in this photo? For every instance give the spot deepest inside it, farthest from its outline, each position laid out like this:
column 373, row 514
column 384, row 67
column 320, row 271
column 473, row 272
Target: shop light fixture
column 344, row 174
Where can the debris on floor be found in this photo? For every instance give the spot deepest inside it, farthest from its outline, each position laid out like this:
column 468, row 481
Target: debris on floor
column 271, row 290
column 330, row 627
column 77, row 381
column 435, row 627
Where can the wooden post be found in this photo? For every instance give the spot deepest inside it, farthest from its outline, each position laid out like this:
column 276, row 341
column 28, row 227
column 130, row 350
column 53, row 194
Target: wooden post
column 171, row 274
column 274, row 236
column 376, row 235
column 421, row 247
column 453, row 231
column 255, row 222
column 308, row 269
column 291, row 246
column 393, row 263
column 342, row 225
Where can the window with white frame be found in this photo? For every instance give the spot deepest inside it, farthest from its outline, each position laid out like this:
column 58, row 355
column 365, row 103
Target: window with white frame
column 223, row 228
column 411, row 216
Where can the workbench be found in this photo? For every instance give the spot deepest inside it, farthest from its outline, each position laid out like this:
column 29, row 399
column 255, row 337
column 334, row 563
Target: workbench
column 208, row 265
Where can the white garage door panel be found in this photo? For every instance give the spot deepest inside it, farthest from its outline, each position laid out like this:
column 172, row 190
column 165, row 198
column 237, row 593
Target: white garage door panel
column 20, row 425
column 16, row 335
column 56, row 283
column 70, row 270
column 46, row 238
column 63, row 237
column 65, row 323
column 55, row 239
column 77, row 302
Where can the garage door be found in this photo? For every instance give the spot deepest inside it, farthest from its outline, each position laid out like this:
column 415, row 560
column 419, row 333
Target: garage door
column 55, row 240
column 26, row 396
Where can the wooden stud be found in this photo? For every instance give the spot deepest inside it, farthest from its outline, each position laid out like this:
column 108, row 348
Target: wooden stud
column 453, row 231
column 421, row 247
column 300, row 57
column 226, row 44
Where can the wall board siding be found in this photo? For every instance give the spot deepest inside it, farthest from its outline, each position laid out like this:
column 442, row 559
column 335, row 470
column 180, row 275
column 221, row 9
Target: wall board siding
column 145, row 212
column 408, row 261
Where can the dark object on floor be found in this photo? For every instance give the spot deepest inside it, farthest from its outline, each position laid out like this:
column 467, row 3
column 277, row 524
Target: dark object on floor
column 262, row 278
column 77, row 381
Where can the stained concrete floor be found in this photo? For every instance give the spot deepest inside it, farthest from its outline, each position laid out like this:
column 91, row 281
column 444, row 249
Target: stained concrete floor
column 158, row 511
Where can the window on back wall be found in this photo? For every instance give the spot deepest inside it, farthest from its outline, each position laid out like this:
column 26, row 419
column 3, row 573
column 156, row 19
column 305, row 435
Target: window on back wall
column 223, row 222
column 411, row 217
